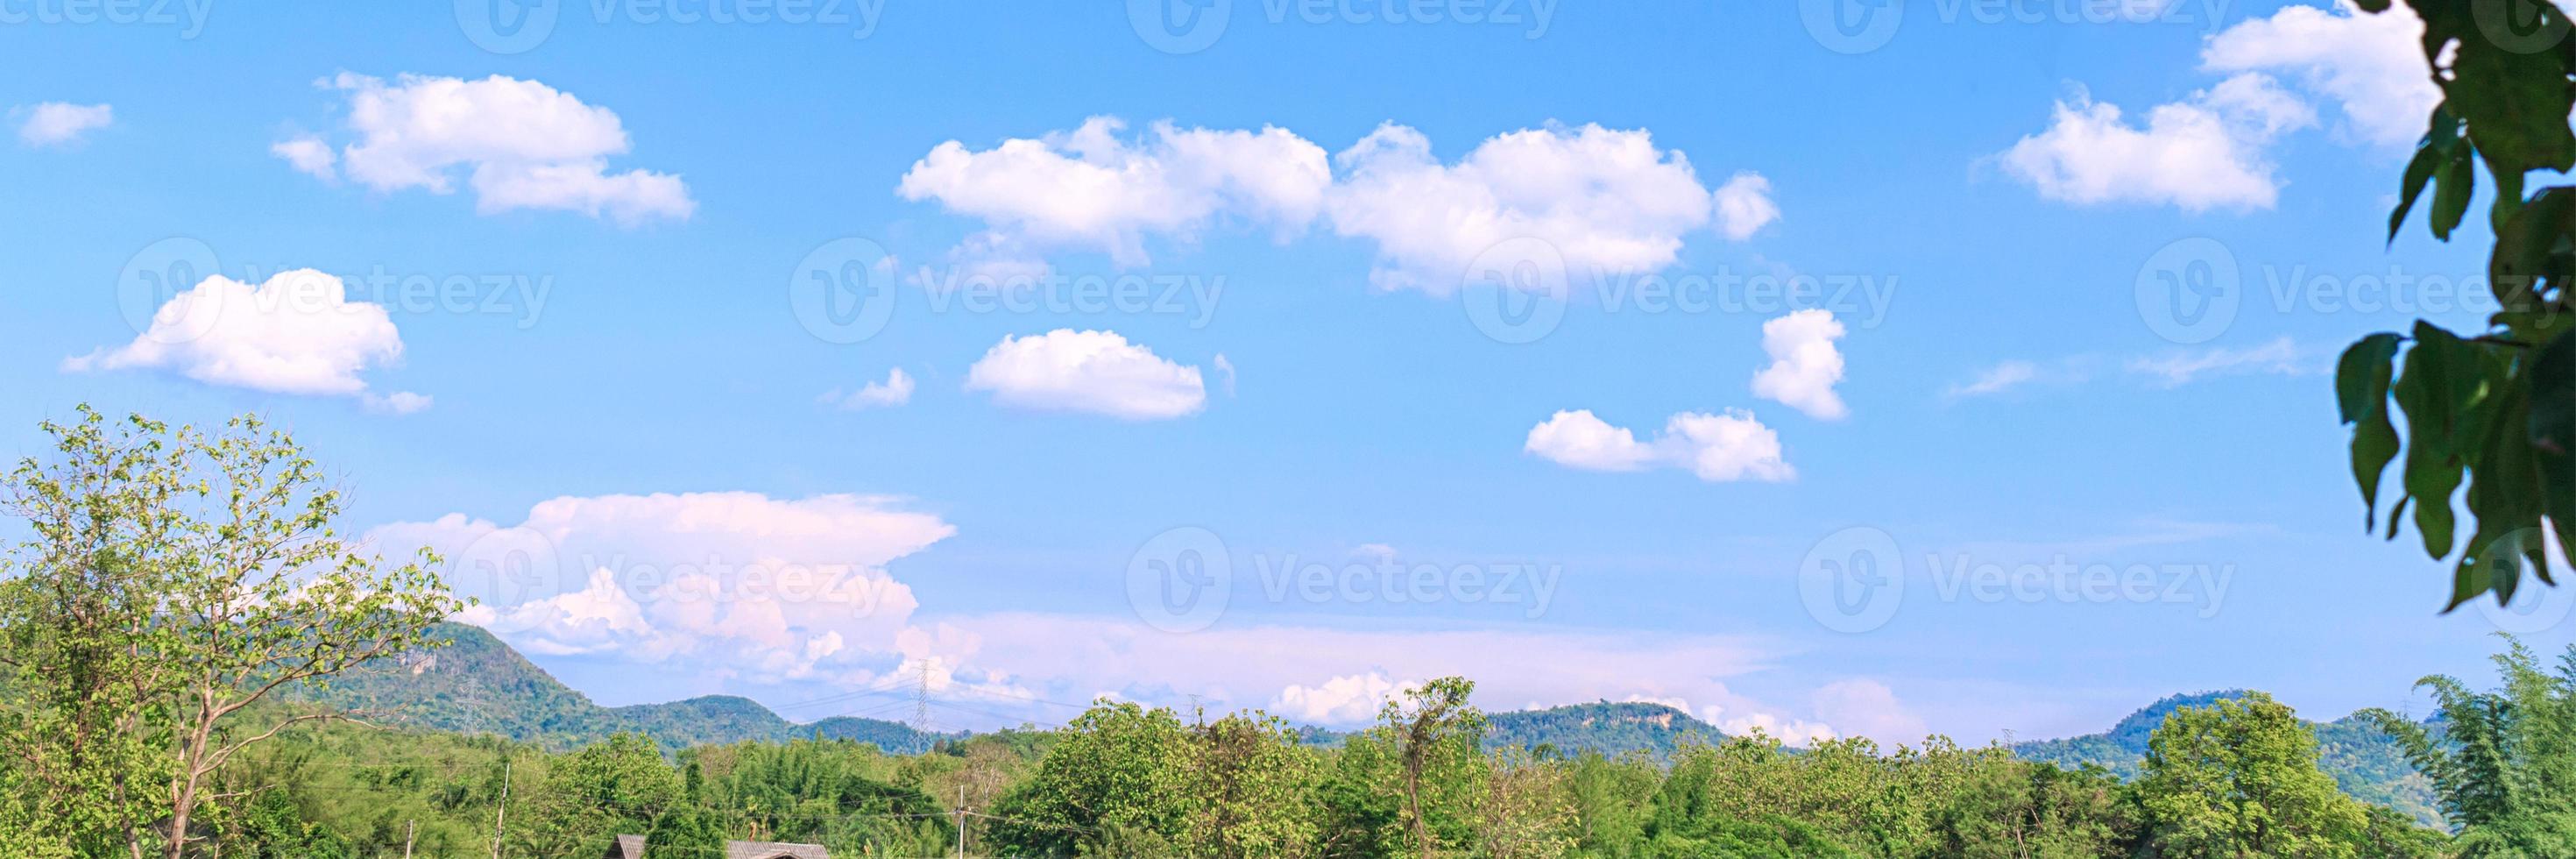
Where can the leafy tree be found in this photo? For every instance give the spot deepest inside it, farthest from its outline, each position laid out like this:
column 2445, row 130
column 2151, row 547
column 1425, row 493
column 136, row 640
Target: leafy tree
column 2505, row 765
column 1437, row 737
column 2496, row 405
column 175, row 579
column 686, row 829
column 1118, row 766
column 588, row 797
column 2239, row 778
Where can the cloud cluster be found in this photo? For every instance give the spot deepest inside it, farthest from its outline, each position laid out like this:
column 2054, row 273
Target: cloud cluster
column 1087, row 371
column 1091, row 189
column 58, row 124
column 1603, row 198
column 722, row 583
column 2213, row 149
column 519, row 144
column 296, row 333
column 2205, row 152
column 1717, row 448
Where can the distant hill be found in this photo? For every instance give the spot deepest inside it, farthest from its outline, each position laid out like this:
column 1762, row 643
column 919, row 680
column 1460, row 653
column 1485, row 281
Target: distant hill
column 2364, row 762
column 478, row 684
column 1609, row 729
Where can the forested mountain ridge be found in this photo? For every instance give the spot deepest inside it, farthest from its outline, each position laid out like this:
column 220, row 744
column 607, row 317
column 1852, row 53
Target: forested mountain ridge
column 479, row 684
column 2366, row 763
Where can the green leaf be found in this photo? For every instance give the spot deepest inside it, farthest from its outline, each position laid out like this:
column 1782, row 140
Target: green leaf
column 2515, row 102
column 2553, row 434
column 2508, row 199
column 2429, row 391
column 2372, row 6
column 2443, row 131
column 2525, row 245
column 2361, row 386
column 2454, row 183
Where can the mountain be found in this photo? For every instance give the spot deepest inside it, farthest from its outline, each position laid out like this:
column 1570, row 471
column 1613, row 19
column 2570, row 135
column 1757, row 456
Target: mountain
column 1609, row 729
column 2367, row 764
column 478, row 684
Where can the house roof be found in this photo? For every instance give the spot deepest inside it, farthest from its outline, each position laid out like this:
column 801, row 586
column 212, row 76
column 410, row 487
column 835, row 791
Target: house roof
column 773, row 850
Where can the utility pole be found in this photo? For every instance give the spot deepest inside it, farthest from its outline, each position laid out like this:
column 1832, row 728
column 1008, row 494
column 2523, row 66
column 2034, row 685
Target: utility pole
column 961, row 822
column 406, row 839
column 501, row 810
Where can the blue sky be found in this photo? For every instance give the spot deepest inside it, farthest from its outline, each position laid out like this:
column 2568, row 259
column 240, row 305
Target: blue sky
column 1995, row 187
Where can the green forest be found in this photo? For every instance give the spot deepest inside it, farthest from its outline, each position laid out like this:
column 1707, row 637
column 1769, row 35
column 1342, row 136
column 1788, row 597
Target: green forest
column 192, row 664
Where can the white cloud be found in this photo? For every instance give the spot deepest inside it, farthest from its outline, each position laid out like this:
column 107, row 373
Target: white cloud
column 1804, row 363
column 725, row 583
column 521, row 145
column 310, row 156
column 1744, row 206
column 1717, row 448
column 2198, row 154
column 297, row 333
column 1087, row 371
column 1861, row 707
column 896, row 390
column 1350, row 699
column 1091, row 189
column 1604, row 199
column 1997, row 379
column 2279, row 357
column 57, row 123
column 2371, row 65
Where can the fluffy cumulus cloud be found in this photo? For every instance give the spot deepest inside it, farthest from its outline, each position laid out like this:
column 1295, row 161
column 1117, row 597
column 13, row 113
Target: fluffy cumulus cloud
column 1744, row 206
column 1095, row 189
column 1087, row 371
column 1345, row 700
column 296, row 333
column 2212, row 150
column 519, row 144
column 1804, row 363
column 731, row 584
column 896, row 390
column 2206, row 152
column 2370, row 65
column 1717, row 448
column 1605, row 200
column 57, row 123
